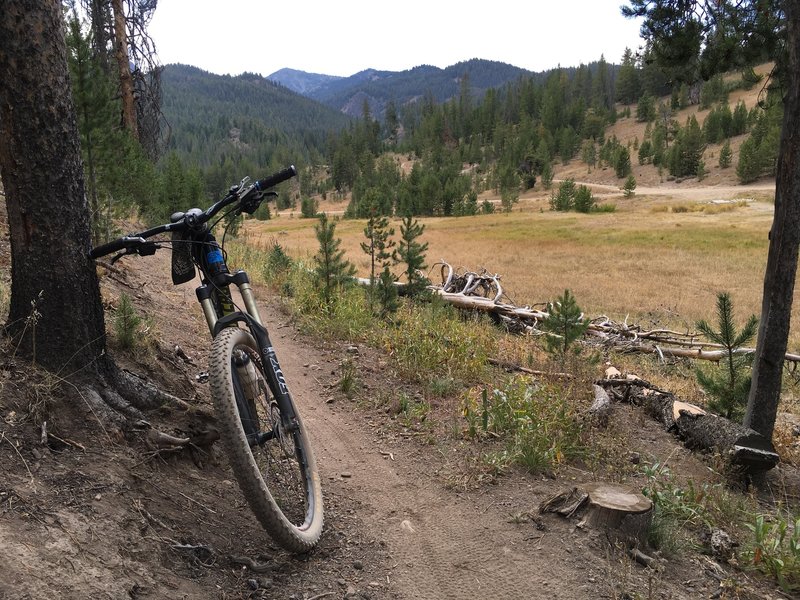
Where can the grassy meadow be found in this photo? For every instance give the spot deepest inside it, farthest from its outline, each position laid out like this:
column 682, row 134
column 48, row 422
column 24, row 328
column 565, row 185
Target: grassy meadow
column 653, row 261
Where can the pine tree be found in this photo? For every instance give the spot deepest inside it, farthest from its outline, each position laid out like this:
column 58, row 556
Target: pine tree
column 378, row 246
column 411, row 253
column 584, row 200
column 331, row 269
column 622, row 162
column 589, row 153
column 628, row 190
column 728, row 383
column 725, row 155
column 563, row 326
column 547, row 175
column 114, row 165
column 386, row 291
column 628, row 84
column 563, row 199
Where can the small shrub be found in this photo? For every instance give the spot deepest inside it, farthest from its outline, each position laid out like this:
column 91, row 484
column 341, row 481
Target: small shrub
column 348, row 380
column 537, row 424
column 606, row 207
column 127, row 324
column 775, row 549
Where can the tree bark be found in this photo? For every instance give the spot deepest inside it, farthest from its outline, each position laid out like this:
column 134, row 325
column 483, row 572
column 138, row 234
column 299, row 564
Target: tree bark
column 776, row 306
column 56, row 313
column 123, row 64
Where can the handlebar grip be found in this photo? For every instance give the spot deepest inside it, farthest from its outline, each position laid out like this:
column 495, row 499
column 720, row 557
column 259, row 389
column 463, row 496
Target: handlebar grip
column 273, row 180
column 114, row 246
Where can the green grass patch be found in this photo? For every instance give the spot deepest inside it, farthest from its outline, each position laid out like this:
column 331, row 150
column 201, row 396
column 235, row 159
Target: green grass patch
column 537, row 424
column 431, row 342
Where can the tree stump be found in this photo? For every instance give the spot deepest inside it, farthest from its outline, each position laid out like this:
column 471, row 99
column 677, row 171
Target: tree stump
column 620, row 512
column 600, row 411
column 623, row 513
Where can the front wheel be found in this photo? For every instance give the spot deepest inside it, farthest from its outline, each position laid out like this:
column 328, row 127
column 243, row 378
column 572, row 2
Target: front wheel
column 275, row 468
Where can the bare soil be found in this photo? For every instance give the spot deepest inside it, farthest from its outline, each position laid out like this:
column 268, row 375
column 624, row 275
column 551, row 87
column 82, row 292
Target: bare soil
column 84, row 514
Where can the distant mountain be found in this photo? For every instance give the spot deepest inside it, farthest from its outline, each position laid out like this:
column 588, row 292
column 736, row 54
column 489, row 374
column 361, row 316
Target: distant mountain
column 212, row 115
column 300, row 81
column 347, row 94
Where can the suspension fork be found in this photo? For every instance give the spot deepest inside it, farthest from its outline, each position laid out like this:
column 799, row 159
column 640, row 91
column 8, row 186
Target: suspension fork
column 272, row 369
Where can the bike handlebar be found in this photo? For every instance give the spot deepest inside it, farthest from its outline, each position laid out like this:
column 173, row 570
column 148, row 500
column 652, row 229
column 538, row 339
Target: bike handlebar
column 193, row 219
column 122, row 243
column 273, row 180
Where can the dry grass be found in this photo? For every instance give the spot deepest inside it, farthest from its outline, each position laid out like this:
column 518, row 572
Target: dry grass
column 665, row 266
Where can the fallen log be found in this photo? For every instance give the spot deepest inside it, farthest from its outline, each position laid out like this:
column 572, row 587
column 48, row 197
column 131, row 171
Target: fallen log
column 743, row 448
column 463, row 293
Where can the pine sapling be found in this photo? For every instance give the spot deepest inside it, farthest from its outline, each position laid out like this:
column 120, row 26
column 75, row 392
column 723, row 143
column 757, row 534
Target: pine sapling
column 411, row 254
column 331, row 269
column 564, row 325
column 378, row 246
column 728, row 383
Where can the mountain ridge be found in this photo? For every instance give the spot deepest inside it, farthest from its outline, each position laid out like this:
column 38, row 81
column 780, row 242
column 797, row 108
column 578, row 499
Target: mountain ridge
column 379, row 87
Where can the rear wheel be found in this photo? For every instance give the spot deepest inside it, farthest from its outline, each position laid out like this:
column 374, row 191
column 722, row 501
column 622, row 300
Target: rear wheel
column 275, row 468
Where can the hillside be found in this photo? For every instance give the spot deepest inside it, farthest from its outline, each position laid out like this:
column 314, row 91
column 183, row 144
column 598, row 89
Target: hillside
column 629, row 132
column 203, row 109
column 300, row 81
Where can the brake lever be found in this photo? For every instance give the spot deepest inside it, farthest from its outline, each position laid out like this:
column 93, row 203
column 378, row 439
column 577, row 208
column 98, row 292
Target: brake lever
column 253, row 200
column 143, row 249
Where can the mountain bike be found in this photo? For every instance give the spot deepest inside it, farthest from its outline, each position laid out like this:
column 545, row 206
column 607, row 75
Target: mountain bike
column 261, row 429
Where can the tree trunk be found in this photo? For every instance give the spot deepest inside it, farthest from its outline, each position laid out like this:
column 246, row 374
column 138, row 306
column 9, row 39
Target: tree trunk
column 776, row 306
column 56, row 314
column 123, row 63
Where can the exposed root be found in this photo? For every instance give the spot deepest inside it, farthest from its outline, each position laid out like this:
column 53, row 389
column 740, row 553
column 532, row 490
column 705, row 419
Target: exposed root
column 119, row 408
column 141, row 393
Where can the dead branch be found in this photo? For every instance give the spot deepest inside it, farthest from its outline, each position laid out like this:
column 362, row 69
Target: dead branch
column 509, row 366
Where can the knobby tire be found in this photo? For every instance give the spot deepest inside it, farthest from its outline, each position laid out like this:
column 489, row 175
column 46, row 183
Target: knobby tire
column 278, row 478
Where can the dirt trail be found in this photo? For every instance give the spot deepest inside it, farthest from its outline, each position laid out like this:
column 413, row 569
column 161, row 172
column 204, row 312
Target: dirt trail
column 440, row 544
column 444, row 544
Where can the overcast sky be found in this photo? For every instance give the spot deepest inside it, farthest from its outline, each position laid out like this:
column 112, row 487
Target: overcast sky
column 343, row 37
